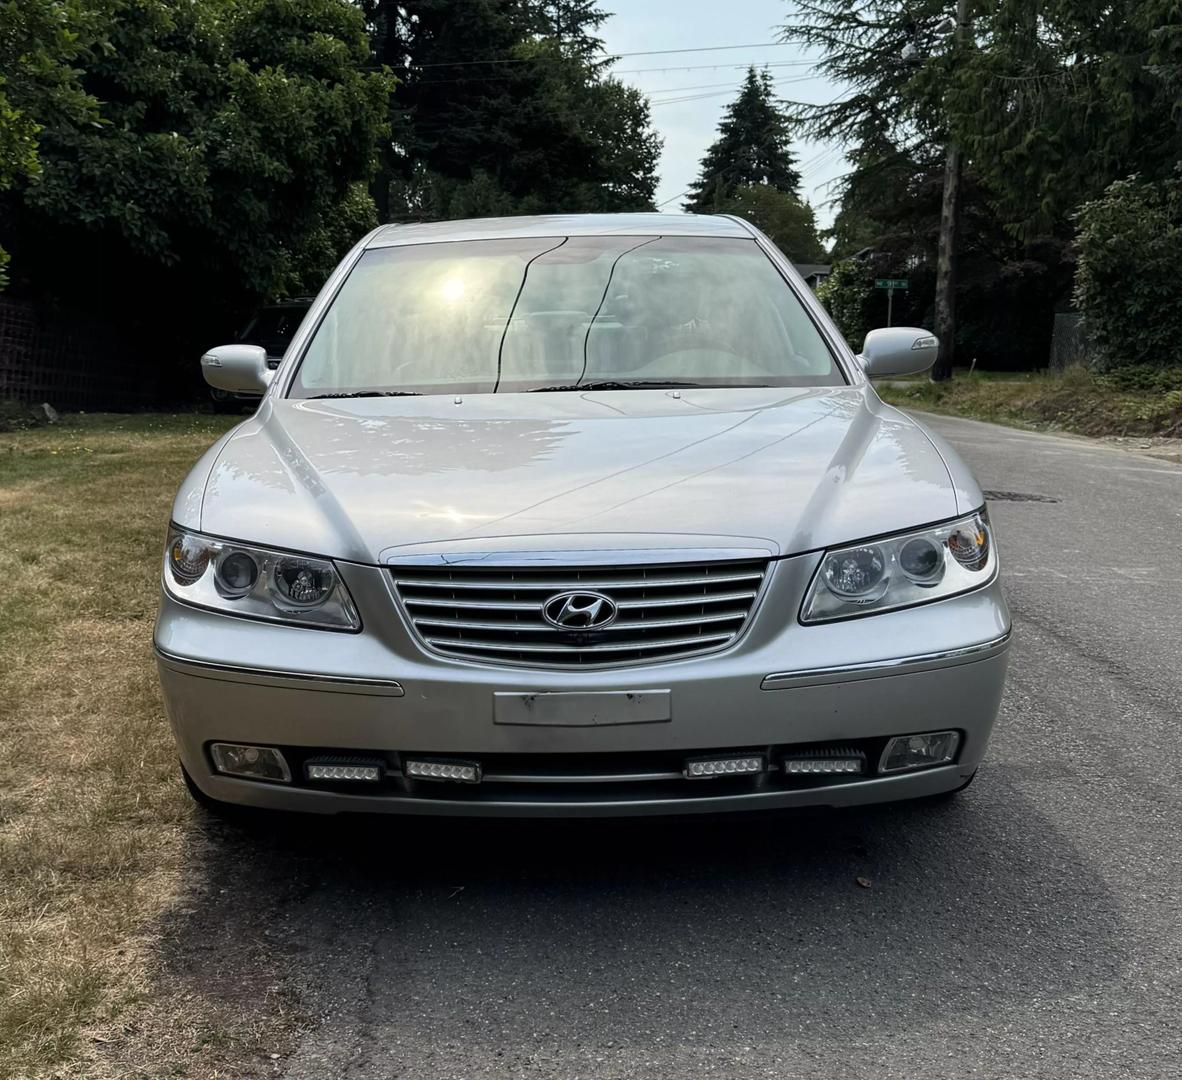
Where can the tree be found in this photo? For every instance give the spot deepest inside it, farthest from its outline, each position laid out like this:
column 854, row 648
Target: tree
column 1049, row 100
column 888, row 201
column 1161, row 19
column 753, row 147
column 531, row 124
column 37, row 45
column 1060, row 98
column 787, row 221
column 895, row 64
column 573, row 24
column 1127, row 284
column 225, row 164
column 888, row 55
column 889, row 216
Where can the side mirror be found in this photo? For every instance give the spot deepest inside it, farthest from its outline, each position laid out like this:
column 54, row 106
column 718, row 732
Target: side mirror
column 237, row 368
column 898, row 350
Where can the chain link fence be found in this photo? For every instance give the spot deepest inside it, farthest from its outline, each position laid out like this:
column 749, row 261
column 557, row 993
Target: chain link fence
column 72, row 361
column 1070, row 344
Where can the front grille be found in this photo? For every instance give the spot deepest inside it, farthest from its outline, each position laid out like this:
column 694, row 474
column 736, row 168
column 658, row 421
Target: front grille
column 664, row 612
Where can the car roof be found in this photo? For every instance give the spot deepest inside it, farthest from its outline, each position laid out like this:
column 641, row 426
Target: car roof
column 503, row 228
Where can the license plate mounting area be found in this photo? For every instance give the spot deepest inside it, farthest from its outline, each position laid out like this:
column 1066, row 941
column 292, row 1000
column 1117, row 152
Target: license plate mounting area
column 597, row 708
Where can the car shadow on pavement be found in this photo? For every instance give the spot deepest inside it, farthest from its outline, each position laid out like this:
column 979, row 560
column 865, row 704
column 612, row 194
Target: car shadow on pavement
column 534, row 941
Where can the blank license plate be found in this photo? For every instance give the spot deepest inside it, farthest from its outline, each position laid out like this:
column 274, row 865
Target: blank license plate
column 597, row 709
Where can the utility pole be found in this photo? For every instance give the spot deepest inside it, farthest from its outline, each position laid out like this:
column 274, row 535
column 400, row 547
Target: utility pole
column 949, row 215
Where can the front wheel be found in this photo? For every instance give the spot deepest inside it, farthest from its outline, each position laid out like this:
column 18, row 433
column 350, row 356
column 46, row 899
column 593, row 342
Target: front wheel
column 224, row 402
column 214, row 807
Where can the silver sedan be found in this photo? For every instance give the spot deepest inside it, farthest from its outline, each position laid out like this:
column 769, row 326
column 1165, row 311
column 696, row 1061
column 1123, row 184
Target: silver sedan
column 577, row 516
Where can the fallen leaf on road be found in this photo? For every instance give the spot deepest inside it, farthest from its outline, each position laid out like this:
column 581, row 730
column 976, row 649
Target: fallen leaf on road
column 864, row 882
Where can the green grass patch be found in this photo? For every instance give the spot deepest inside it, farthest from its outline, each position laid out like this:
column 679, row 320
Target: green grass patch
column 1075, row 400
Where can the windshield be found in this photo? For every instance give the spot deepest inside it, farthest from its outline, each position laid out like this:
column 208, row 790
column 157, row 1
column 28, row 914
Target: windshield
column 607, row 312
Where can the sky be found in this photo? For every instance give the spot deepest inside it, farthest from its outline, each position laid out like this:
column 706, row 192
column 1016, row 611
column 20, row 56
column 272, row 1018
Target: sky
column 712, row 81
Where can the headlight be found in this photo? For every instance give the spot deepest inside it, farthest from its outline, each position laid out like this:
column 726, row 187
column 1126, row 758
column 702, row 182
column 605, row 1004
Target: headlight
column 256, row 582
column 911, row 568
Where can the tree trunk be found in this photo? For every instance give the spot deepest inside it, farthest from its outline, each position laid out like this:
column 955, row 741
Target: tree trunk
column 949, row 217
column 946, row 267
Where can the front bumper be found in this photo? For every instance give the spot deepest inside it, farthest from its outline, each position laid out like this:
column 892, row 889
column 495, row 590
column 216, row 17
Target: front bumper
column 781, row 686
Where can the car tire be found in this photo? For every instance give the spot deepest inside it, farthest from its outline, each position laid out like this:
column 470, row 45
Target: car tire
column 214, row 807
column 225, row 403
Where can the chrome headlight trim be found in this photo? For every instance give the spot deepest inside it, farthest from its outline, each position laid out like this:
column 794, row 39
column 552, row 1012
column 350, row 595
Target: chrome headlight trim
column 194, row 574
column 833, row 592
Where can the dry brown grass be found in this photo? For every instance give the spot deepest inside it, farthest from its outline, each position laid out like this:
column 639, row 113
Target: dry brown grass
column 97, row 838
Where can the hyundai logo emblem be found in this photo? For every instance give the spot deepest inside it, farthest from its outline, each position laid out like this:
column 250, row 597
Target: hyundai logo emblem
column 580, row 611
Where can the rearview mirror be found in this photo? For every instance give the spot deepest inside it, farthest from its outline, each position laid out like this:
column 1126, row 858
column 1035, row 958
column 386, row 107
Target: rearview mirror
column 237, row 368
column 898, row 350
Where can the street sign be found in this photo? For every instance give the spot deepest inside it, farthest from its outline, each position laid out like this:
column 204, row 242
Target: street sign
column 891, row 284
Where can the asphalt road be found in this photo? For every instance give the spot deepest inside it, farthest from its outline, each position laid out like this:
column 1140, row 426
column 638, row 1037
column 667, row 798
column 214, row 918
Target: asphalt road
column 1032, row 928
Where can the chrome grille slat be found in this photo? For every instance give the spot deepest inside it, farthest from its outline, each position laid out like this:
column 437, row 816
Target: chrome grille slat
column 619, row 624
column 475, row 605
column 627, row 646
column 574, row 583
column 664, row 611
column 623, row 605
column 684, row 601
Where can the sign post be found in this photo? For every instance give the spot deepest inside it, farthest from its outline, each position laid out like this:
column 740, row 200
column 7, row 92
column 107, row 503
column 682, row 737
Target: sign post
column 891, row 284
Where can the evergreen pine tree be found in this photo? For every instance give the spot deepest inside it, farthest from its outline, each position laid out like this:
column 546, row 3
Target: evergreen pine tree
column 573, row 24
column 505, row 107
column 753, row 147
column 1049, row 100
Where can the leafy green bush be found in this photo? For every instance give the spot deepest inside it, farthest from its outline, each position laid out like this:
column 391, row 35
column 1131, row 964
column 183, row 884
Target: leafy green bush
column 1143, row 378
column 1127, row 283
column 845, row 293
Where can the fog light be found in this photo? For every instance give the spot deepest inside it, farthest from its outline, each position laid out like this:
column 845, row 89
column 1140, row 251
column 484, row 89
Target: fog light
column 255, row 762
column 705, row 768
column 459, row 772
column 918, row 751
column 364, row 769
column 827, row 761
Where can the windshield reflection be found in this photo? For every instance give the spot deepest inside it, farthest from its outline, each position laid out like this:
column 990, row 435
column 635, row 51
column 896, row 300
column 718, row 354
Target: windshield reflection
column 620, row 312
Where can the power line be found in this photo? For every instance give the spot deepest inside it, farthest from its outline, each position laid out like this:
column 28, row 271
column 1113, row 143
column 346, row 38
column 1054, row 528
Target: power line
column 709, row 180
column 711, row 86
column 808, row 162
column 630, row 71
column 723, row 171
column 719, row 93
column 607, row 57
column 715, row 67
column 821, row 161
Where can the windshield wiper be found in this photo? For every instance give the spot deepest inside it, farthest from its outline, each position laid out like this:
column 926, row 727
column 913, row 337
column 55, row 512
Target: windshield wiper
column 616, row 384
column 368, row 393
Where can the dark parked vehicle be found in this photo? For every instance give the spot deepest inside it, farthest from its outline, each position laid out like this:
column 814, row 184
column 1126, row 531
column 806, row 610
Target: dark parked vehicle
column 272, row 326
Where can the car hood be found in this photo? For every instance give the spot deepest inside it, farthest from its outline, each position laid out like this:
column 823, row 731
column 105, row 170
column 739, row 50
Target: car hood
column 370, row 479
